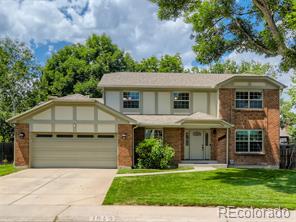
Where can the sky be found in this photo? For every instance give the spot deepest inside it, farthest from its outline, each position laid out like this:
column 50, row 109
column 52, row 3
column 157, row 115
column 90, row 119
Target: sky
column 48, row 25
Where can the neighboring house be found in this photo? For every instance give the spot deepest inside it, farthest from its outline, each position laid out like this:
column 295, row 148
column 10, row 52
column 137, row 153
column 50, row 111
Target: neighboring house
column 220, row 118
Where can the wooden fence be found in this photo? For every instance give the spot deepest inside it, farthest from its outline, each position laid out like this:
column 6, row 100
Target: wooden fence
column 6, row 152
column 288, row 156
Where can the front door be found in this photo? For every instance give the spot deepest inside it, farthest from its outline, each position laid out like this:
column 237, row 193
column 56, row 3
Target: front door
column 197, row 146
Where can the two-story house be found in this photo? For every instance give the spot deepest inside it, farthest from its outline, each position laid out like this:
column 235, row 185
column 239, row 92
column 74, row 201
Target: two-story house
column 206, row 118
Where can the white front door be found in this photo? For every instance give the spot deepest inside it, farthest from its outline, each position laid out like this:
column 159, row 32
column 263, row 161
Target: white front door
column 198, row 147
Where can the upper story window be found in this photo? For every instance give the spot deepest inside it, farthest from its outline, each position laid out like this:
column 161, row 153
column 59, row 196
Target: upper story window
column 181, row 100
column 131, row 100
column 249, row 141
column 249, row 99
column 154, row 133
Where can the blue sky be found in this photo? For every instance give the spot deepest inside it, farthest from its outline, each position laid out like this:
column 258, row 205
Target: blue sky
column 133, row 25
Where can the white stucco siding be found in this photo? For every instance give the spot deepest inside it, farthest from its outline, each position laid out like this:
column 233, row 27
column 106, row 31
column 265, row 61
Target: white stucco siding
column 45, row 115
column 63, row 113
column 85, row 112
column 41, row 127
column 85, row 128
column 113, row 99
column 213, row 103
column 200, row 102
column 107, row 128
column 148, row 102
column 63, row 127
column 103, row 116
column 164, row 102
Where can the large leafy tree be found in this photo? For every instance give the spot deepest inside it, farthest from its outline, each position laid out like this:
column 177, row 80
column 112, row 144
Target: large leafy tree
column 220, row 26
column 77, row 68
column 232, row 67
column 19, row 75
column 167, row 63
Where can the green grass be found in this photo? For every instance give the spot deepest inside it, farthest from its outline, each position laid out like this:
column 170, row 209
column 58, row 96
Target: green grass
column 227, row 187
column 127, row 170
column 7, row 169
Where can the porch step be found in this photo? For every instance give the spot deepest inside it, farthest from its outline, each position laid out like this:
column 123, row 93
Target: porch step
column 199, row 161
column 197, row 164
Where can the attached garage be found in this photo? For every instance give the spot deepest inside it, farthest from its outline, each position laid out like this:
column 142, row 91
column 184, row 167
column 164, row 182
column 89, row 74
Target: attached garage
column 75, row 132
column 68, row 150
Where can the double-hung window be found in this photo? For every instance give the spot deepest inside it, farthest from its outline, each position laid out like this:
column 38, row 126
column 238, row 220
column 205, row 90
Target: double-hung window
column 131, row 100
column 181, row 100
column 249, row 141
column 154, row 133
column 249, row 99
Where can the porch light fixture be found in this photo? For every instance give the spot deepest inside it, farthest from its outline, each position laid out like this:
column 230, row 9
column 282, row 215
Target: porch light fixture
column 124, row 136
column 22, row 135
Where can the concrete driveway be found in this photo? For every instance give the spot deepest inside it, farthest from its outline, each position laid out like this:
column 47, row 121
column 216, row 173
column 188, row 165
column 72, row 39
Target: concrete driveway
column 56, row 187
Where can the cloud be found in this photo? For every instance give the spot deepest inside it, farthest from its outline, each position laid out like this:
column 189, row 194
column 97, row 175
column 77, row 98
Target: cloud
column 251, row 56
column 133, row 25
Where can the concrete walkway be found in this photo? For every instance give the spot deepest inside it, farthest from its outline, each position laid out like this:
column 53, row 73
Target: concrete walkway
column 34, row 213
column 196, row 169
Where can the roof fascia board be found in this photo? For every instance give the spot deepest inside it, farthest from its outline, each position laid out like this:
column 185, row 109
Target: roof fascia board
column 40, row 108
column 256, row 77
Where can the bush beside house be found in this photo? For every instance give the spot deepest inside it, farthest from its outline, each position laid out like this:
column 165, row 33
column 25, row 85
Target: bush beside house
column 153, row 154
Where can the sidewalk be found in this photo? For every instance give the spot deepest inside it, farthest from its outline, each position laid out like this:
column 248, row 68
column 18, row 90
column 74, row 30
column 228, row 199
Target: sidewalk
column 195, row 169
column 64, row 213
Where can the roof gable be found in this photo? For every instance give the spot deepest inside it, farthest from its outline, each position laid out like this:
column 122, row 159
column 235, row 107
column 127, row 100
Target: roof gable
column 71, row 99
column 174, row 80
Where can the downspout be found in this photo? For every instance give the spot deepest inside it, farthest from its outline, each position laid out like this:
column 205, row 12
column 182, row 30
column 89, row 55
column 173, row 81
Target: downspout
column 227, row 145
column 133, row 148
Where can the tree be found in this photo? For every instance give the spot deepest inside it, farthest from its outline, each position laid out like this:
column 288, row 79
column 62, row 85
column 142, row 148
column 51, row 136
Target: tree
column 150, row 64
column 233, row 67
column 290, row 18
column 167, row 63
column 171, row 64
column 222, row 26
column 19, row 73
column 78, row 68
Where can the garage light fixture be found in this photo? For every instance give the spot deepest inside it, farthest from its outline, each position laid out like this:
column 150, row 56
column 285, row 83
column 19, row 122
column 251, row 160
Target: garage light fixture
column 22, row 135
column 124, row 136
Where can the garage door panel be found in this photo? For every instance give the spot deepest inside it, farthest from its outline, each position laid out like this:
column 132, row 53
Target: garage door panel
column 74, row 152
column 69, row 164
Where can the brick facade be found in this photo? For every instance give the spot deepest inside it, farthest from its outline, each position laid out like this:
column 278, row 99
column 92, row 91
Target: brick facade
column 175, row 138
column 21, row 145
column 267, row 119
column 125, row 145
column 171, row 136
column 218, row 141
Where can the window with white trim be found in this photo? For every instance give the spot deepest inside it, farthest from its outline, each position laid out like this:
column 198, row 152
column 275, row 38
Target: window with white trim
column 131, row 100
column 154, row 133
column 181, row 100
column 249, row 141
column 249, row 99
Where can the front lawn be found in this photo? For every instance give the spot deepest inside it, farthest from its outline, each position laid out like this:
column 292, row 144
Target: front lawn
column 228, row 187
column 127, row 170
column 7, row 169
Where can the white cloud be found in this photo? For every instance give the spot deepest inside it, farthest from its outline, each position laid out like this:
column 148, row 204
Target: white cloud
column 249, row 56
column 132, row 24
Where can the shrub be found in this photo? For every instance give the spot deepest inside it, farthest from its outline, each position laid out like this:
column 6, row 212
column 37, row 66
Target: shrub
column 153, row 154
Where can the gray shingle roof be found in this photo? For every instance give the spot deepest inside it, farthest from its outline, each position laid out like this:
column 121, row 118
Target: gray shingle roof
column 162, row 80
column 171, row 119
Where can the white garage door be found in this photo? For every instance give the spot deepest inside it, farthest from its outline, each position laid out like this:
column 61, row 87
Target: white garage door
column 93, row 151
